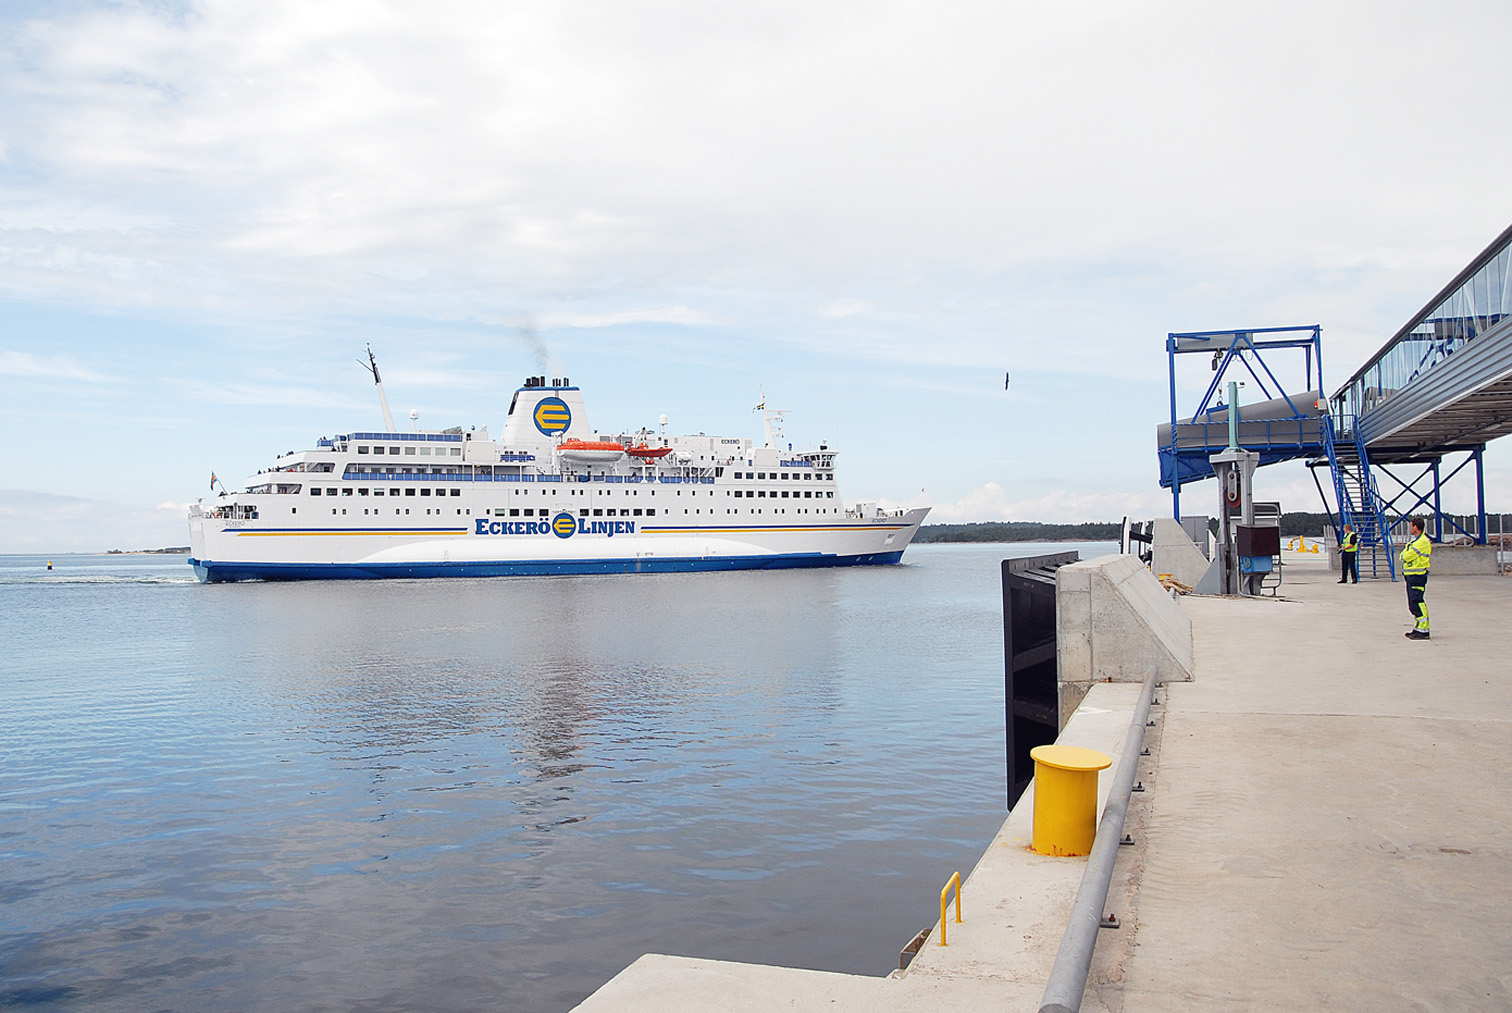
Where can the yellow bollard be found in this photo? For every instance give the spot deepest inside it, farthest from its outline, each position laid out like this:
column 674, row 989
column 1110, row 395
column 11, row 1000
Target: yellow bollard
column 1065, row 798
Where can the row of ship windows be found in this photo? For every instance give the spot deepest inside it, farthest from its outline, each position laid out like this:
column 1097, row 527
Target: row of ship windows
column 822, row 476
column 423, row 451
column 362, row 491
column 651, row 512
column 456, row 491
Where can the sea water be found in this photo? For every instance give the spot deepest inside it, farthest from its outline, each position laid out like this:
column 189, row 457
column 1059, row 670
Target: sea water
column 481, row 794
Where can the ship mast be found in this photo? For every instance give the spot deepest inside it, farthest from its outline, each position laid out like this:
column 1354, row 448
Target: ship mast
column 372, row 367
column 771, row 421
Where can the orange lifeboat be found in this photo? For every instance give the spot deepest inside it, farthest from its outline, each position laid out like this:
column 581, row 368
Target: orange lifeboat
column 591, row 450
column 646, row 453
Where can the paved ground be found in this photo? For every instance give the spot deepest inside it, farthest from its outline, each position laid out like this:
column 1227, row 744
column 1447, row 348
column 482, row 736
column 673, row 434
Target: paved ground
column 1331, row 809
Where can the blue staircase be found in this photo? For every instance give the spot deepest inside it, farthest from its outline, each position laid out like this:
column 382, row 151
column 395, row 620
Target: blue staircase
column 1359, row 502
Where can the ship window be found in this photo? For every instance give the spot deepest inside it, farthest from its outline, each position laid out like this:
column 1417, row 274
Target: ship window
column 637, row 513
column 582, row 513
column 807, row 476
column 331, row 491
column 425, row 451
column 293, row 510
column 409, row 492
column 362, row 450
column 598, row 513
column 410, row 451
column 406, row 511
column 333, row 511
column 314, row 491
column 456, row 451
column 377, row 492
column 393, row 492
column 651, row 512
column 456, row 492
column 346, row 492
column 784, row 494
column 829, row 495
column 807, row 494
column 425, row 492
column 362, row 492
column 761, row 474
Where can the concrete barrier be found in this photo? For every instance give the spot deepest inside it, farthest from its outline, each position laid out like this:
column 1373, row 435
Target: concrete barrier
column 1174, row 552
column 1113, row 621
column 1448, row 560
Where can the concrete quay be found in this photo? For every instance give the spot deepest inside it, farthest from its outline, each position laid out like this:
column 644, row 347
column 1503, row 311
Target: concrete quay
column 1329, row 820
column 1326, row 826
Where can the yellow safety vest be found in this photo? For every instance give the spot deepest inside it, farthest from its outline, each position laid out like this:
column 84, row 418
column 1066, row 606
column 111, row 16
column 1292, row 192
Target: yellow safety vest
column 1415, row 556
column 1351, row 541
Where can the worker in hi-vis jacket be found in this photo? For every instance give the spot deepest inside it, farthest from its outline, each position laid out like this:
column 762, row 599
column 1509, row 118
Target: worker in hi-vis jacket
column 1349, row 555
column 1415, row 560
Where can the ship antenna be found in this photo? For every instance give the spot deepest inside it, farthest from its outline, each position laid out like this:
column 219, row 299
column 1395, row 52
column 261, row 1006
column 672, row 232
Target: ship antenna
column 372, row 367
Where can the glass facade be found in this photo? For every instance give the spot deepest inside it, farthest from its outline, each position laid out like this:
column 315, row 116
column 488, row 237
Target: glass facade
column 1471, row 309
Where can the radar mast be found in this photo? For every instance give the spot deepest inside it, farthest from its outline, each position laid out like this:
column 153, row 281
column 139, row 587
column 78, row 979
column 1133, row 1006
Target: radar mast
column 372, row 367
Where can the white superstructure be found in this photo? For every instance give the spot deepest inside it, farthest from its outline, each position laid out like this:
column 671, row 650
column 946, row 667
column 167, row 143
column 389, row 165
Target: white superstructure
column 550, row 496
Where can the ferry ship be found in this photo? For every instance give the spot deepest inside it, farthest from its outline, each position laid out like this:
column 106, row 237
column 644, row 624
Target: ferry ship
column 549, row 496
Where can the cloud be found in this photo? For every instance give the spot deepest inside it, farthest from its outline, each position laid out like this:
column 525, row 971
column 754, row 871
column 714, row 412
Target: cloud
column 656, row 315
column 991, row 502
column 58, row 367
column 926, row 161
column 842, row 308
column 269, row 394
column 35, row 522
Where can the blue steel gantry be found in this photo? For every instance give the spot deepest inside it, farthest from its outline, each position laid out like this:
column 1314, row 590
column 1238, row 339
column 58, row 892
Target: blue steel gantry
column 1284, row 425
column 1442, row 386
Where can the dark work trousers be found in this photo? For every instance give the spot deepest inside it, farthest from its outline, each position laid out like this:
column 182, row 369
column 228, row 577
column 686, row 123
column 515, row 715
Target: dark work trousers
column 1351, row 561
column 1417, row 585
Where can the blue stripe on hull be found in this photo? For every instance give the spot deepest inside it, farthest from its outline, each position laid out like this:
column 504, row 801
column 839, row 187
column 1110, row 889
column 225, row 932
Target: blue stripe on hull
column 213, row 572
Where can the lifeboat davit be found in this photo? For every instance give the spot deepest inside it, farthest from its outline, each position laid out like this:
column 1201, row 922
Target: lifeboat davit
column 646, row 453
column 594, row 451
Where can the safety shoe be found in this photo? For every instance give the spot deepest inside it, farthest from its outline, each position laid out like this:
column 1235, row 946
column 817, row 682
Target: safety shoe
column 1416, row 635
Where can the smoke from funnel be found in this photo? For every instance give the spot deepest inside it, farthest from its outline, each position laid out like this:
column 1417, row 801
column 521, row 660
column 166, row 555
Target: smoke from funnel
column 533, row 343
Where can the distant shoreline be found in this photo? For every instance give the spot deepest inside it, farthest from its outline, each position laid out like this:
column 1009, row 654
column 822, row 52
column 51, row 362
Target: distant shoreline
column 177, row 550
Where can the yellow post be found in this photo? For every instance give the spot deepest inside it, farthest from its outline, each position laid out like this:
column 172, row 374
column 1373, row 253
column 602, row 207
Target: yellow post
column 1065, row 798
column 955, row 881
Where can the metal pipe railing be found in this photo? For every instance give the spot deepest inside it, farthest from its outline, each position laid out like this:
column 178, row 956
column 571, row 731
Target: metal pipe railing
column 954, row 881
column 1068, row 979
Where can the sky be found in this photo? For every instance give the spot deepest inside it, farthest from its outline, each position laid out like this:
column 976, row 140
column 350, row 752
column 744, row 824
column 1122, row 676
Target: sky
column 868, row 212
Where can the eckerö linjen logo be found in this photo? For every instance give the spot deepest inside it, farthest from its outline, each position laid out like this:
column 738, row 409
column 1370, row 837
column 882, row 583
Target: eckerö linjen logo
column 563, row 525
column 552, row 416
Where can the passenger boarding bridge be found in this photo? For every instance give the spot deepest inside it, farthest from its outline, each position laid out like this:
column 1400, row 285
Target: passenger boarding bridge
column 1424, row 407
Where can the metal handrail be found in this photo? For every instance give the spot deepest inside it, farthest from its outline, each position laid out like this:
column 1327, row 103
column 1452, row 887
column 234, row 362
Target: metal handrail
column 1068, row 979
column 954, row 880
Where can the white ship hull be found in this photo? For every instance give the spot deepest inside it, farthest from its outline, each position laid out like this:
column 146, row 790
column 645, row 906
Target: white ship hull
column 244, row 550
column 462, row 505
